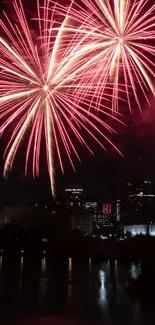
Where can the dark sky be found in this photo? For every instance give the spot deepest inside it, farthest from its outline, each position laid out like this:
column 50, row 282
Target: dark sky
column 102, row 175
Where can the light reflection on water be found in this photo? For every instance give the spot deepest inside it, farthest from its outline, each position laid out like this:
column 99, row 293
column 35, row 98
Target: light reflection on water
column 71, row 288
column 43, row 265
column 70, row 267
column 135, row 270
column 102, row 290
column 116, row 266
column 90, row 264
column 69, row 291
column 43, row 282
column 1, row 260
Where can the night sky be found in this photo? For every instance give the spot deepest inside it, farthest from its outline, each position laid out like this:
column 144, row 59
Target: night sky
column 102, row 175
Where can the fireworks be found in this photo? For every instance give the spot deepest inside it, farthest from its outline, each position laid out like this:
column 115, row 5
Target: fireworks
column 115, row 41
column 44, row 89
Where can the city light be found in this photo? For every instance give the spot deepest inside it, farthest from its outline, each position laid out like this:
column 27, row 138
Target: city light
column 76, row 190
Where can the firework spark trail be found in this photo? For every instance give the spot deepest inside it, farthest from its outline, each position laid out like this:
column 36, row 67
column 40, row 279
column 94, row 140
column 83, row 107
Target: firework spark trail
column 115, row 38
column 43, row 89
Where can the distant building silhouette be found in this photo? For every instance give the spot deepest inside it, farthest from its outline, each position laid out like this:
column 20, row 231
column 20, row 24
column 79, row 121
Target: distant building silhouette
column 43, row 215
column 82, row 220
column 138, row 207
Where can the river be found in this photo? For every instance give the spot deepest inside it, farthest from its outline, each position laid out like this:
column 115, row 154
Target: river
column 71, row 289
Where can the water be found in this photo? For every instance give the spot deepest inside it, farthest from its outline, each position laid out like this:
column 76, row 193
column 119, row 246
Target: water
column 72, row 289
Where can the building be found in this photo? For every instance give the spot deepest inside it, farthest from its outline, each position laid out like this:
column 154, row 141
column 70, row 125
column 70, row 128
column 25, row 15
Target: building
column 103, row 219
column 74, row 197
column 42, row 215
column 82, row 220
column 91, row 205
column 140, row 229
column 138, row 207
column 118, row 210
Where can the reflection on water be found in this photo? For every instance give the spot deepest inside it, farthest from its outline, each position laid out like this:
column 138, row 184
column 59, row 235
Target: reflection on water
column 135, row 270
column 116, row 265
column 102, row 290
column 21, row 263
column 70, row 266
column 69, row 292
column 43, row 281
column 72, row 288
column 1, row 259
column 89, row 264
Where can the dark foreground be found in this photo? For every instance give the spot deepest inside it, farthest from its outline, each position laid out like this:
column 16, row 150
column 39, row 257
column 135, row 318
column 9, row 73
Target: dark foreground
column 73, row 292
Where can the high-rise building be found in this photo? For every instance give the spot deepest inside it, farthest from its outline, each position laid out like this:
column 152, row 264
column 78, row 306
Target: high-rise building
column 103, row 218
column 82, row 220
column 138, row 206
column 118, row 210
column 74, row 197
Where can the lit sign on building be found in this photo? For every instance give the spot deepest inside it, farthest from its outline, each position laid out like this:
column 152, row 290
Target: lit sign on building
column 107, row 208
column 75, row 190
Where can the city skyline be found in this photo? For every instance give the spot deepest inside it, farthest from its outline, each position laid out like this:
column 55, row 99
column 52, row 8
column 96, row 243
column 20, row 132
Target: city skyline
column 77, row 162
column 104, row 174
